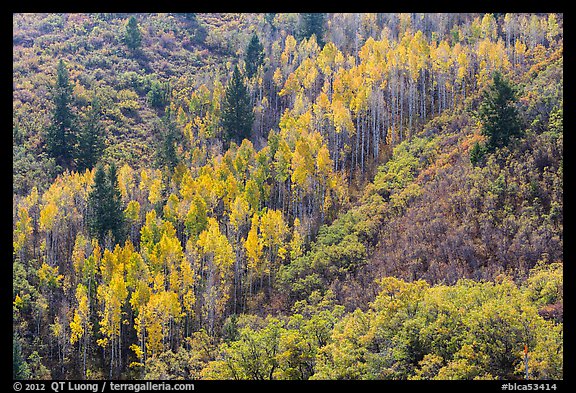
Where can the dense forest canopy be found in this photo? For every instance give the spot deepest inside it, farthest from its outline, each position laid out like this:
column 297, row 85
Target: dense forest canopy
column 287, row 196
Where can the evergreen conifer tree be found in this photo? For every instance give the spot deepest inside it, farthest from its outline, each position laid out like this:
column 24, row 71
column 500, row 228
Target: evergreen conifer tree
column 91, row 139
column 312, row 23
column 61, row 134
column 133, row 37
column 20, row 369
column 499, row 116
column 105, row 211
column 254, row 56
column 115, row 208
column 168, row 135
column 237, row 111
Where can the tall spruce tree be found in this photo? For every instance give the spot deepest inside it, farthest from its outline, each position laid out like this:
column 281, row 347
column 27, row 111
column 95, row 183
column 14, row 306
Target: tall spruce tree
column 166, row 155
column 61, row 134
column 20, row 369
column 115, row 207
column 254, row 56
column 91, row 139
column 237, row 111
column 499, row 116
column 105, row 213
column 133, row 37
column 312, row 23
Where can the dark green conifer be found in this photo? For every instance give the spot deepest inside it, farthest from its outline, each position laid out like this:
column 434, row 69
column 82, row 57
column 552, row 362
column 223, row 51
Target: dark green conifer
column 61, row 134
column 312, row 23
column 254, row 56
column 133, row 37
column 105, row 212
column 167, row 132
column 237, row 111
column 91, row 139
column 498, row 114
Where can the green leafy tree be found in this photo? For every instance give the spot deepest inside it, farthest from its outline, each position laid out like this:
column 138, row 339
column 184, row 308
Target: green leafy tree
column 237, row 112
column 253, row 356
column 254, row 56
column 499, row 116
column 61, row 135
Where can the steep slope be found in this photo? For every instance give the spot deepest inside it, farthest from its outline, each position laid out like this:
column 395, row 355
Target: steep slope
column 177, row 50
column 432, row 214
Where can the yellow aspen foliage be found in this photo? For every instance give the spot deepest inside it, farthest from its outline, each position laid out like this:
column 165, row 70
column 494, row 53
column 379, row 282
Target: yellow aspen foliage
column 218, row 257
column 282, row 161
column 23, row 229
column 107, row 265
column 112, row 297
column 169, row 254
column 277, row 77
column 151, row 231
column 301, row 103
column 311, row 73
column 48, row 216
column 324, row 162
column 155, row 193
column 273, row 231
column 463, row 61
column 132, row 211
column 239, row 212
column 244, row 159
column 519, row 52
column 196, row 218
column 322, row 104
column 326, row 59
column 253, row 245
column 32, row 198
column 302, row 164
column 290, row 48
column 489, row 27
column 80, row 323
column 162, row 307
column 126, row 181
column 252, row 195
column 342, row 116
column 151, row 180
column 291, row 86
column 79, row 254
column 188, row 279
column 171, row 208
column 18, row 302
column 212, row 241
column 297, row 241
column 48, row 276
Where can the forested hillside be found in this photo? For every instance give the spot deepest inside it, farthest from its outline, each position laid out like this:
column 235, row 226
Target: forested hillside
column 287, row 196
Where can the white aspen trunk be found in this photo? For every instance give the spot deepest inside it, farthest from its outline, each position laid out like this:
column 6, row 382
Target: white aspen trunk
column 401, row 88
column 357, row 139
column 423, row 97
column 362, row 148
column 432, row 106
